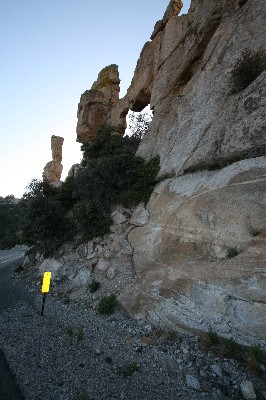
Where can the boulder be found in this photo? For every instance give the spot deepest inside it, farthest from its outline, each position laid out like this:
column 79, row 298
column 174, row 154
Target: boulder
column 82, row 278
column 192, row 382
column 50, row 265
column 90, row 247
column 140, row 216
column 111, row 273
column 247, row 390
column 102, row 265
column 118, row 218
column 71, row 257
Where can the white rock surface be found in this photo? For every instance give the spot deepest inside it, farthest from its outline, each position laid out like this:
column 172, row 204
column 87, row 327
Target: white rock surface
column 118, row 218
column 247, row 390
column 111, row 273
column 192, row 382
column 50, row 265
column 140, row 216
column 102, row 265
column 177, row 261
column 90, row 247
column 82, row 278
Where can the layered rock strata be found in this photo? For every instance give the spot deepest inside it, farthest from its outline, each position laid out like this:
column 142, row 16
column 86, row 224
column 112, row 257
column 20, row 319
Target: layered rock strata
column 200, row 258
column 53, row 169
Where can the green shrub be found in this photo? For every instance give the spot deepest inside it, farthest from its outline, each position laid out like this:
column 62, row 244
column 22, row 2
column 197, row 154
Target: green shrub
column 139, row 124
column 80, row 334
column 9, row 223
column 112, row 174
column 256, row 352
column 254, row 231
column 231, row 348
column 91, row 218
column 82, row 395
column 247, row 68
column 128, row 369
column 170, row 335
column 43, row 223
column 213, row 337
column 94, row 286
column 232, row 252
column 107, row 304
column 66, row 194
column 69, row 330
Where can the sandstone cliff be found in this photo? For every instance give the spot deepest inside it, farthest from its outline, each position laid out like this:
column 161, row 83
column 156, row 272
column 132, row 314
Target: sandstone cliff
column 200, row 254
column 53, row 169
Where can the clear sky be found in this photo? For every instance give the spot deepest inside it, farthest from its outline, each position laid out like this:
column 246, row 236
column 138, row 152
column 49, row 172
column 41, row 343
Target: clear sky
column 51, row 52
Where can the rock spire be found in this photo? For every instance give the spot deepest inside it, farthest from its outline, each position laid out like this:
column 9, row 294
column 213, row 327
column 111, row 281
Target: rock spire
column 95, row 105
column 53, row 169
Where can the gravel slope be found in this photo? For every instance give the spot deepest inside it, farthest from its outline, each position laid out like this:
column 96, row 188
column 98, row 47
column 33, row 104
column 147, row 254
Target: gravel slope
column 73, row 353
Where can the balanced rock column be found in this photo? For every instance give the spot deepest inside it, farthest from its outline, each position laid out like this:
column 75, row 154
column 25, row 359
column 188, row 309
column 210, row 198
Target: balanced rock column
column 95, row 105
column 53, row 169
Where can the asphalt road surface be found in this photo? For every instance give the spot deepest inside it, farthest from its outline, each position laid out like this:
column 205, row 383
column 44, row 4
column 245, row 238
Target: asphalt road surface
column 10, row 293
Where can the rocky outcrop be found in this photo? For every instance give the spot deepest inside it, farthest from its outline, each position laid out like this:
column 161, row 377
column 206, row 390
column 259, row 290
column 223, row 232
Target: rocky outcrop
column 53, row 170
column 185, row 73
column 95, row 105
column 106, row 260
column 73, row 170
column 199, row 244
column 200, row 260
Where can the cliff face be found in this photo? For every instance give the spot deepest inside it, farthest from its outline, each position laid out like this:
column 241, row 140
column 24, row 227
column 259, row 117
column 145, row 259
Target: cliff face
column 184, row 73
column 200, row 256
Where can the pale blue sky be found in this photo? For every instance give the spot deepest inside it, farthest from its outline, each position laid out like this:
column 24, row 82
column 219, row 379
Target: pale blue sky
column 51, row 52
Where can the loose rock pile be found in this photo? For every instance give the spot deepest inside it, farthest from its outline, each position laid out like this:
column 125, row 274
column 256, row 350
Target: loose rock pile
column 106, row 260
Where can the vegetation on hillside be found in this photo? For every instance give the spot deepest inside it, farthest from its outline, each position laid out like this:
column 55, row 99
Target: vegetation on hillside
column 9, row 222
column 42, row 218
column 110, row 174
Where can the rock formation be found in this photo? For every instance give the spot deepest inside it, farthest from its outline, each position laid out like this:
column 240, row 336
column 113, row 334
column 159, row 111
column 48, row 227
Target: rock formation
column 53, row 169
column 73, row 170
column 199, row 252
column 95, row 105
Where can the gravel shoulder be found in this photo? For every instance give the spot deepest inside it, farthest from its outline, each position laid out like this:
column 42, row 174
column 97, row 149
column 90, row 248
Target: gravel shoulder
column 74, row 353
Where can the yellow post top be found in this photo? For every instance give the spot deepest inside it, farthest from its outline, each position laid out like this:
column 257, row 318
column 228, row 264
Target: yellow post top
column 46, row 282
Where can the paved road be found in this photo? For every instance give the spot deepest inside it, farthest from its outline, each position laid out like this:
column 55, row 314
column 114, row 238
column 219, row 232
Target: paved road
column 7, row 255
column 10, row 293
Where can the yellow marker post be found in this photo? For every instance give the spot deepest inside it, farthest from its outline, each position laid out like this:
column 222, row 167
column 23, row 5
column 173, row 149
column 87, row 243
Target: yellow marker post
column 45, row 287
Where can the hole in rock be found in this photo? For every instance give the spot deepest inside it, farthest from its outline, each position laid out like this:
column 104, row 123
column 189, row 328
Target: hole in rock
column 186, row 6
column 138, row 122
